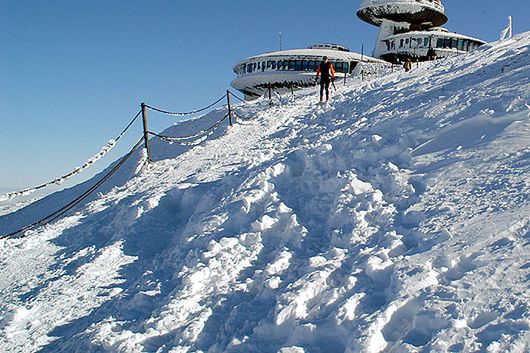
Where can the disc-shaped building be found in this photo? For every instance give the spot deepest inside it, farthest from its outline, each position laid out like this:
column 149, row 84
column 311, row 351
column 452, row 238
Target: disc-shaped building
column 291, row 69
column 412, row 28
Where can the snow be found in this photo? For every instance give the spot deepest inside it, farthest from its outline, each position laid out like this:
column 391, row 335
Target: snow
column 394, row 218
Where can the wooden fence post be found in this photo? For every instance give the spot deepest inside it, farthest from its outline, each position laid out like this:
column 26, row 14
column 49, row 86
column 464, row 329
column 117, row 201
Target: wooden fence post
column 229, row 107
column 146, row 134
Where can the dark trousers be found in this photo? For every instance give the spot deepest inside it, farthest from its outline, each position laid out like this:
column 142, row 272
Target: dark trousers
column 324, row 84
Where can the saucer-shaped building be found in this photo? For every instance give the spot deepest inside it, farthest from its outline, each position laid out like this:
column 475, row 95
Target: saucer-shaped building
column 411, row 28
column 287, row 70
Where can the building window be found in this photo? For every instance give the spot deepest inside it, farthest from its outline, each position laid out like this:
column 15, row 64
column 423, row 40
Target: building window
column 298, row 65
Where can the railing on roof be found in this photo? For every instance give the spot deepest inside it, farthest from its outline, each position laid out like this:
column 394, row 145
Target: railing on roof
column 437, row 4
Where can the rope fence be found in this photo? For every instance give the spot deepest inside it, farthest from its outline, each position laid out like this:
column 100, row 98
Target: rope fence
column 188, row 140
column 186, row 113
column 77, row 170
column 63, row 210
column 203, row 135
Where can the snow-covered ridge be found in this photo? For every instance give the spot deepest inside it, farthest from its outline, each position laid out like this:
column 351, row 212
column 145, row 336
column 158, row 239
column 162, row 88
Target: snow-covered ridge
column 396, row 218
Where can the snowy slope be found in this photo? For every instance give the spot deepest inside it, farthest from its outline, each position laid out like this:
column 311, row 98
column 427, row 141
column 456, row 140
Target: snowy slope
column 394, row 219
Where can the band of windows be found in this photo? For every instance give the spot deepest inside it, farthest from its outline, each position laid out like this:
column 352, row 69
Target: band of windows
column 289, row 65
column 427, row 42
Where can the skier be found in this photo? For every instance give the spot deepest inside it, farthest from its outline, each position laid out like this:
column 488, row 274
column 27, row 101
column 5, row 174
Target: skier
column 407, row 65
column 328, row 75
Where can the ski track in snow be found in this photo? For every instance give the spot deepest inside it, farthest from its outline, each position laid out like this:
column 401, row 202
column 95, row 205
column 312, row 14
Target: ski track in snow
column 395, row 218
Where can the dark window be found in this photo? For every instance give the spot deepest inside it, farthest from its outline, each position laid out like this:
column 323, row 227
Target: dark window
column 298, row 65
column 447, row 42
column 454, row 43
column 273, row 64
column 338, row 67
column 401, row 43
column 311, row 66
column 305, row 65
column 439, row 43
column 460, row 44
column 353, row 64
column 426, row 42
column 291, row 65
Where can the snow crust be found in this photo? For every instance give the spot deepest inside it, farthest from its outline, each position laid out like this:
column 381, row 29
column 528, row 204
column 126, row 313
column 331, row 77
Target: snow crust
column 395, row 218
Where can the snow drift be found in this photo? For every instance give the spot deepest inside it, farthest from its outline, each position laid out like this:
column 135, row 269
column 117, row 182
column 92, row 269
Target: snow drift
column 394, row 219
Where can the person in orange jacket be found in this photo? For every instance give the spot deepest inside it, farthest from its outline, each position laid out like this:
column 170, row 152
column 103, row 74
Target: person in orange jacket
column 328, row 75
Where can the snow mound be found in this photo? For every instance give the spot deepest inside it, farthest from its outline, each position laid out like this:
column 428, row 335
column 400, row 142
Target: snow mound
column 395, row 218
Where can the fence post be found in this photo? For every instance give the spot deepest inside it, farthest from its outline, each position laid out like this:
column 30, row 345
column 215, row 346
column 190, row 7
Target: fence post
column 229, row 107
column 345, row 75
column 292, row 90
column 146, row 134
column 270, row 95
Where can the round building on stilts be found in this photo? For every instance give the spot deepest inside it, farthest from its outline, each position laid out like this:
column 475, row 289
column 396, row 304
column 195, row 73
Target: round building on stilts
column 412, row 29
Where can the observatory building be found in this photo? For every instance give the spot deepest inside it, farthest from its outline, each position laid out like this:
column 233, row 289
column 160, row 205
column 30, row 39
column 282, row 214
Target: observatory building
column 286, row 70
column 412, row 28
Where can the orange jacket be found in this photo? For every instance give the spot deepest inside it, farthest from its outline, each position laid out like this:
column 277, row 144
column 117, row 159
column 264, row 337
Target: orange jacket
column 330, row 69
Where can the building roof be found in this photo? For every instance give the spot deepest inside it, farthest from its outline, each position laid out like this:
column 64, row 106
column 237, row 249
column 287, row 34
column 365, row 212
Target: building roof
column 438, row 32
column 316, row 53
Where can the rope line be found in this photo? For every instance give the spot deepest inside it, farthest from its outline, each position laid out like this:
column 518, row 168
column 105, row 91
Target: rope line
column 185, row 113
column 60, row 212
column 238, row 98
column 241, row 117
column 102, row 152
column 178, row 139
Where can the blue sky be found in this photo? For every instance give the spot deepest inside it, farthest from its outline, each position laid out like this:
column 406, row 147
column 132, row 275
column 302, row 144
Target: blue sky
column 74, row 72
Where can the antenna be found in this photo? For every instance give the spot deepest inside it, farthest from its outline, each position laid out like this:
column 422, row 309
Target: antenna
column 280, row 38
column 508, row 31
